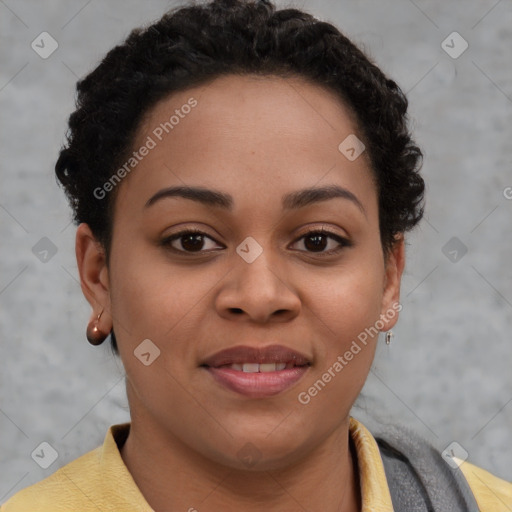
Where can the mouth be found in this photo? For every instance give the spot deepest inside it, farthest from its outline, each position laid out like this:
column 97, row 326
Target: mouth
column 259, row 367
column 257, row 372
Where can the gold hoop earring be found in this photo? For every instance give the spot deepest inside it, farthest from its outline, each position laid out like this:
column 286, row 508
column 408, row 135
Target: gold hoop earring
column 94, row 335
column 389, row 335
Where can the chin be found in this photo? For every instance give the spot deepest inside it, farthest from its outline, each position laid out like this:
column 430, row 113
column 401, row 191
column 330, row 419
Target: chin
column 259, row 451
column 251, row 458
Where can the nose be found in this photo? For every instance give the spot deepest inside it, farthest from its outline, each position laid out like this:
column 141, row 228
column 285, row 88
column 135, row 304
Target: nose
column 260, row 292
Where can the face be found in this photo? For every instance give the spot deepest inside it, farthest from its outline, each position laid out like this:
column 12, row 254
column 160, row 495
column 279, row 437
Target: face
column 264, row 266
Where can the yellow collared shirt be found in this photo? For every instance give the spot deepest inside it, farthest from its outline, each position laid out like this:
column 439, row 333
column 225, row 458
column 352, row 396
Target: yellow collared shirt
column 99, row 480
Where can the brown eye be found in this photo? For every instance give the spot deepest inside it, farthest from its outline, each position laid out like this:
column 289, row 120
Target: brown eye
column 189, row 241
column 318, row 241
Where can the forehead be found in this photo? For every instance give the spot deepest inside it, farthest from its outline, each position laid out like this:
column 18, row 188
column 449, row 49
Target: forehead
column 254, row 137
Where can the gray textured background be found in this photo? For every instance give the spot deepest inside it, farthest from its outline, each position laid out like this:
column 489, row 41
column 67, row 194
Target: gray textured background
column 447, row 373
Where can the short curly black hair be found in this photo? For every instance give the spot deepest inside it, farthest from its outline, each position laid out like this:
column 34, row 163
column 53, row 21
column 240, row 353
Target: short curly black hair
column 196, row 43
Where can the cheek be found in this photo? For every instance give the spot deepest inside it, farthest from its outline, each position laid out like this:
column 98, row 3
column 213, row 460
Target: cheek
column 347, row 300
column 345, row 309
column 157, row 300
column 153, row 300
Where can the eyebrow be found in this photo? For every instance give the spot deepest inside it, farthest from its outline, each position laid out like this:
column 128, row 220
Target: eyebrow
column 290, row 201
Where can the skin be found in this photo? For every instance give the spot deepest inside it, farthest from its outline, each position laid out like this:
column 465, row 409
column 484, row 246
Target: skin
column 255, row 138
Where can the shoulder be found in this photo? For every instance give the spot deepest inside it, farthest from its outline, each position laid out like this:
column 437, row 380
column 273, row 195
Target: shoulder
column 60, row 491
column 491, row 493
column 453, row 481
column 98, row 480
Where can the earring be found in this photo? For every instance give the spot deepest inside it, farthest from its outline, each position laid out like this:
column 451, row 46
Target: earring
column 389, row 335
column 94, row 335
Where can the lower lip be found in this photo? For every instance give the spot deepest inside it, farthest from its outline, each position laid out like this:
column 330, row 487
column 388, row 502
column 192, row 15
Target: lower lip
column 258, row 384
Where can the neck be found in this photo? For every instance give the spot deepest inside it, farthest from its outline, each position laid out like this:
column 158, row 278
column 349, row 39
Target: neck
column 173, row 476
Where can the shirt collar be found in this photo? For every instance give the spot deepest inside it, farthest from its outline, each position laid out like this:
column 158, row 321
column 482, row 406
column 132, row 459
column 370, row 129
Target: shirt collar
column 374, row 487
column 115, row 473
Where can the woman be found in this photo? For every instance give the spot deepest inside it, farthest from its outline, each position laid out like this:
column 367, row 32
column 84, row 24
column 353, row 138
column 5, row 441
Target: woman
column 243, row 178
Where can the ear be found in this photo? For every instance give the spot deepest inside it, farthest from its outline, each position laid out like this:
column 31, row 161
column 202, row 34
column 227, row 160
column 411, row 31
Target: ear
column 94, row 278
column 394, row 266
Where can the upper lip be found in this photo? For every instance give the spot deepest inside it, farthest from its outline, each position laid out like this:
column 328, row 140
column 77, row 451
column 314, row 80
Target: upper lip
column 245, row 354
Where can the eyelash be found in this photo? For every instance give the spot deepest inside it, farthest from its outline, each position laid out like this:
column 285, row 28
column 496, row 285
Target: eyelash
column 176, row 236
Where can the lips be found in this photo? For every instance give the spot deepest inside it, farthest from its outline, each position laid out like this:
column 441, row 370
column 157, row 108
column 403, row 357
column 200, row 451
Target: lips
column 257, row 372
column 242, row 355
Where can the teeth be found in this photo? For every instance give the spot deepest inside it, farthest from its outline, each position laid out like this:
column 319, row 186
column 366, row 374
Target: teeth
column 251, row 367
column 255, row 367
